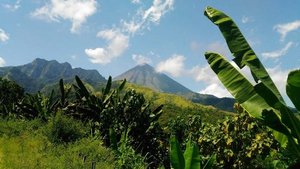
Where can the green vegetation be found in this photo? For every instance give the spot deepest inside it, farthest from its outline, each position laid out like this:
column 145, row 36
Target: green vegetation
column 24, row 144
column 118, row 128
column 145, row 75
column 175, row 105
column 262, row 100
column 76, row 126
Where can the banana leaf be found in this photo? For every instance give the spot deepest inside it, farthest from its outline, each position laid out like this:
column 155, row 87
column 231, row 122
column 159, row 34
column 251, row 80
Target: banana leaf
column 251, row 98
column 176, row 157
column 121, row 87
column 293, row 88
column 82, row 89
column 191, row 156
column 240, row 48
column 108, row 86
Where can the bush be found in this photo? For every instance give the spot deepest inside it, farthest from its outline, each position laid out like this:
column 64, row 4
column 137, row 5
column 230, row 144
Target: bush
column 10, row 94
column 237, row 142
column 64, row 129
column 127, row 157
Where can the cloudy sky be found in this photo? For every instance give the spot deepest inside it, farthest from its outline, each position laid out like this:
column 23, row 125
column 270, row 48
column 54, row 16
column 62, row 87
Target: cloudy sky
column 113, row 36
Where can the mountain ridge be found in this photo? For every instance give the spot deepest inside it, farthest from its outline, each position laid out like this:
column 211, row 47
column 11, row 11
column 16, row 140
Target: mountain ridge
column 40, row 72
column 145, row 75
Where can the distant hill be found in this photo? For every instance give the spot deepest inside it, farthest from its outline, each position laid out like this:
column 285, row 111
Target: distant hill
column 40, row 73
column 145, row 75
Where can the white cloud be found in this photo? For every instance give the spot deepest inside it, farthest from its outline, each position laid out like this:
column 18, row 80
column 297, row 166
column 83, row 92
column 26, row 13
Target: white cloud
column 131, row 26
column 118, row 41
column 216, row 90
column 278, row 53
column 141, row 60
column 135, row 1
column 77, row 11
column 246, row 19
column 13, row 7
column 279, row 77
column 151, row 15
column 74, row 57
column 157, row 10
column 284, row 29
column 204, row 74
column 173, row 65
column 2, row 62
column 3, row 35
column 117, row 44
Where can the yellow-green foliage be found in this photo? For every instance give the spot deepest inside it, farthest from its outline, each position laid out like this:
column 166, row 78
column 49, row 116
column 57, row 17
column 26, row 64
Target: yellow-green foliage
column 30, row 149
column 175, row 105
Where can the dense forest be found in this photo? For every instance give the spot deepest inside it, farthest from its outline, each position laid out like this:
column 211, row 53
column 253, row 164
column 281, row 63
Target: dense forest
column 123, row 126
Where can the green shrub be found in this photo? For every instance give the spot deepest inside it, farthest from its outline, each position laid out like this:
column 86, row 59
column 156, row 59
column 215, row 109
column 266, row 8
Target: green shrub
column 64, row 129
column 127, row 157
column 237, row 142
column 10, row 94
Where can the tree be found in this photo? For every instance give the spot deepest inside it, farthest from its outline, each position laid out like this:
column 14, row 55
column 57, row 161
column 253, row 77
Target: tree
column 10, row 94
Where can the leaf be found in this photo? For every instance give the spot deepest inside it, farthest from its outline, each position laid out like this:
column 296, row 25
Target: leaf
column 240, row 48
column 243, row 91
column 121, row 87
column 113, row 139
column 290, row 120
column 191, row 156
column 108, row 86
column 156, row 113
column 293, row 87
column 62, row 91
column 176, row 157
column 209, row 164
column 82, row 89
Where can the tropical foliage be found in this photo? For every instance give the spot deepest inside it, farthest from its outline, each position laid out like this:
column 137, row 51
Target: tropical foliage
column 76, row 126
column 261, row 100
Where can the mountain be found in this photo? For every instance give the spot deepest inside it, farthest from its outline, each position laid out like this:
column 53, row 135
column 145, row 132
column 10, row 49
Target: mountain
column 36, row 75
column 42, row 75
column 145, row 75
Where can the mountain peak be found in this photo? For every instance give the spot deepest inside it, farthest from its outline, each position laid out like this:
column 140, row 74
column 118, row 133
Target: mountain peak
column 146, row 75
column 144, row 67
column 40, row 72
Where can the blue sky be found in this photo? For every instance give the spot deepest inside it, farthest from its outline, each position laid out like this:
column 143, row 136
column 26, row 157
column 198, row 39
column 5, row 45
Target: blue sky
column 113, row 36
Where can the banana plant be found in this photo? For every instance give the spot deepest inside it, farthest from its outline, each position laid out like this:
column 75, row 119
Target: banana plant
column 190, row 159
column 261, row 100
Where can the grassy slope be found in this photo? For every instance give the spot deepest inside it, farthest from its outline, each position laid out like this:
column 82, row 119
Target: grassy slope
column 175, row 105
column 24, row 145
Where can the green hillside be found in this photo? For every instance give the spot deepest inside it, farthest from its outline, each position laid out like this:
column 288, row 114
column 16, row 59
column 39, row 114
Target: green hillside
column 145, row 75
column 175, row 105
